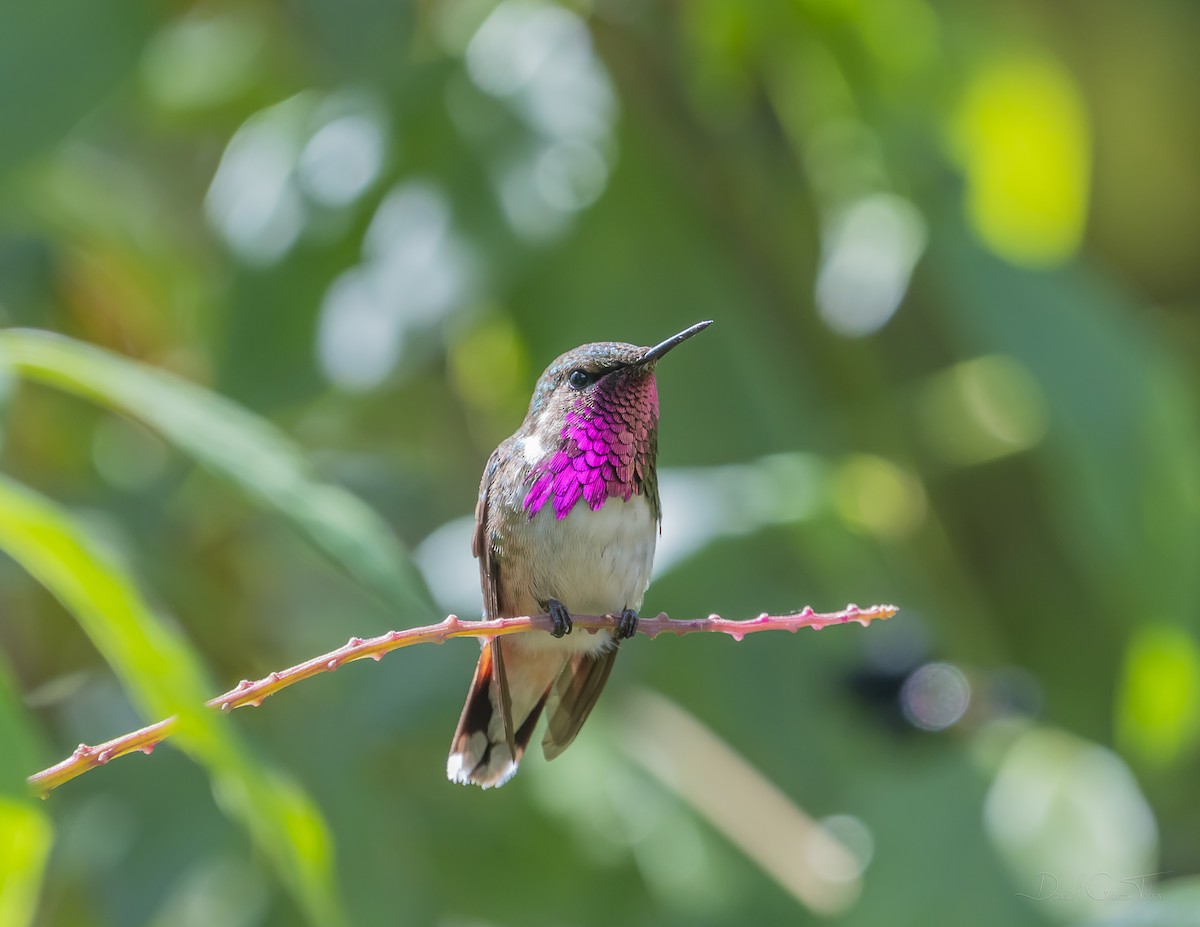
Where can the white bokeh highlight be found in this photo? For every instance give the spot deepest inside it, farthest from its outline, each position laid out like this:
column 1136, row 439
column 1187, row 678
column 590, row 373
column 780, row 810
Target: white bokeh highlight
column 870, row 248
column 416, row 270
column 538, row 59
column 288, row 163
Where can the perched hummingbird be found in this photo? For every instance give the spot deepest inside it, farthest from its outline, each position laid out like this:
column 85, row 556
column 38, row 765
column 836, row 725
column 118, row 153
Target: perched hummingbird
column 566, row 522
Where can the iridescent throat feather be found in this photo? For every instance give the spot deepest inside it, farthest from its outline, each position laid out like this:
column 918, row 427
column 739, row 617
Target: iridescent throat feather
column 606, row 448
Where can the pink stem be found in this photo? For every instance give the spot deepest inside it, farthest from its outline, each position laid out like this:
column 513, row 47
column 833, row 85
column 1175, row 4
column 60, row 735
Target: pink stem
column 247, row 692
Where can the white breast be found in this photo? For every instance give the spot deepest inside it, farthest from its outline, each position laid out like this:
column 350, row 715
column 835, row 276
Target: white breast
column 594, row 562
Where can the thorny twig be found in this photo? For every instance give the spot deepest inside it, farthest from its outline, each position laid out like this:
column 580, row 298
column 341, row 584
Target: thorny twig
column 247, row 692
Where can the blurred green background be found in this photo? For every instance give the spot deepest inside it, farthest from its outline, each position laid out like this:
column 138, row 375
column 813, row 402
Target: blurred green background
column 951, row 252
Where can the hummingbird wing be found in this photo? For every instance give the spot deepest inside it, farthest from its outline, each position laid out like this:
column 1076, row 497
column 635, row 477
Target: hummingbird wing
column 574, row 696
column 489, row 581
column 481, row 545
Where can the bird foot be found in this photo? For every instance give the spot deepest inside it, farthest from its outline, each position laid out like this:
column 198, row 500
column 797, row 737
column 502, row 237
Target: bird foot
column 627, row 627
column 560, row 616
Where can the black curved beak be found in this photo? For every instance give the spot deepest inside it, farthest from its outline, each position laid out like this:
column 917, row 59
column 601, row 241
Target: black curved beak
column 654, row 353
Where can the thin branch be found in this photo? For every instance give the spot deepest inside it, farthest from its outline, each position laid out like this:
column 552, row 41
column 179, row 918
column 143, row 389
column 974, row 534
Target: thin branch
column 251, row 693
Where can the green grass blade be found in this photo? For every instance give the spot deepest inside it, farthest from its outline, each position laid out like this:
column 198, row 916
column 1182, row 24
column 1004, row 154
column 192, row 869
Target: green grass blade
column 164, row 677
column 25, row 830
column 236, row 444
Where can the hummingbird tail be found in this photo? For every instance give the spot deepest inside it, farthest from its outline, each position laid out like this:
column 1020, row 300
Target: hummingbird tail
column 508, row 693
column 575, row 692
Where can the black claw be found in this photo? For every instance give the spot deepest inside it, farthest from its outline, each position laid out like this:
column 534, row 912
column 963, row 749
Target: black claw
column 628, row 624
column 560, row 616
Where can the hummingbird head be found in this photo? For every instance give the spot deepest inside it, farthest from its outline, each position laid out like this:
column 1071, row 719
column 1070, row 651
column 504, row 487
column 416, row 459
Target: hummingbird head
column 592, row 427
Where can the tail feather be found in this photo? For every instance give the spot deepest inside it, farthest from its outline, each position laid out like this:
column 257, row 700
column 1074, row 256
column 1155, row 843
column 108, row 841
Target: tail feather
column 573, row 698
column 498, row 719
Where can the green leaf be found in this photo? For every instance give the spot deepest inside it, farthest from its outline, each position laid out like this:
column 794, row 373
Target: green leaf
column 164, row 677
column 25, row 830
column 1158, row 705
column 25, row 836
column 235, row 444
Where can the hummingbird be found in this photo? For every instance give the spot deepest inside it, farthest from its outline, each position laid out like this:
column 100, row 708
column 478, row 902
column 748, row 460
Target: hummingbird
column 566, row 521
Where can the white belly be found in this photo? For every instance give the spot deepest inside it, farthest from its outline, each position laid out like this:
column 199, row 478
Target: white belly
column 595, row 563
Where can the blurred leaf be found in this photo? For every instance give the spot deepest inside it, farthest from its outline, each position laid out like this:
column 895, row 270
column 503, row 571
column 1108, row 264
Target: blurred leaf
column 18, row 756
column 25, row 830
column 1159, row 698
column 238, row 445
column 90, row 47
column 164, row 678
column 25, row 836
column 1059, row 806
column 1023, row 138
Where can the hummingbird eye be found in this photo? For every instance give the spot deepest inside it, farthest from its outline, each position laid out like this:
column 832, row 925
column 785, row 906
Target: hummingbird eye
column 579, row 378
